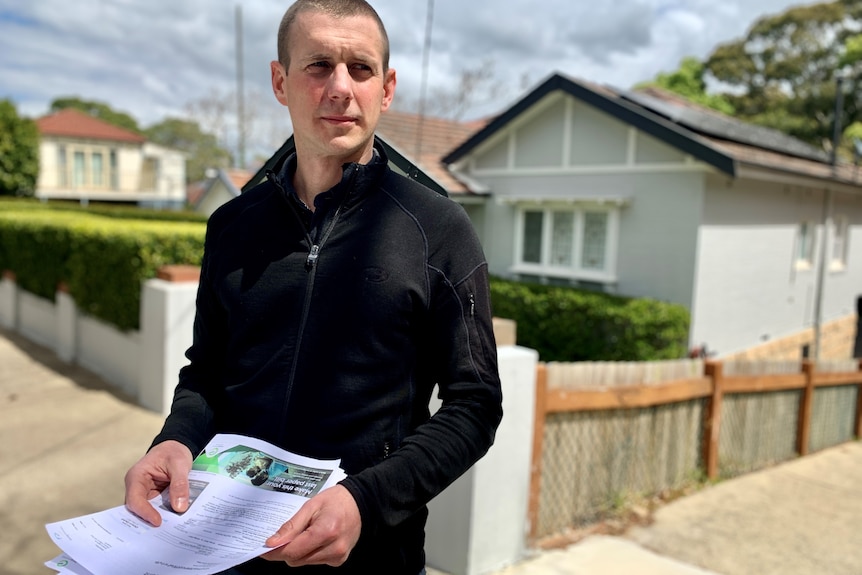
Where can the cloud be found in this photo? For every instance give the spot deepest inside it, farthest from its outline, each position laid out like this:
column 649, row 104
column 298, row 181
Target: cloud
column 152, row 58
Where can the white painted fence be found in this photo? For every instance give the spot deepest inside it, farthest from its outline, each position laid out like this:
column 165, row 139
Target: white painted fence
column 478, row 525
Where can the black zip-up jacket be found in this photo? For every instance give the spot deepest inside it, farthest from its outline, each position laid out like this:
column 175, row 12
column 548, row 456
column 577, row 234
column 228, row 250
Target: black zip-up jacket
column 325, row 335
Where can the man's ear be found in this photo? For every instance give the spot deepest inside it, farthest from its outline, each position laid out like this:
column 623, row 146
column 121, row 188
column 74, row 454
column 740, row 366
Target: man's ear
column 389, row 83
column 279, row 81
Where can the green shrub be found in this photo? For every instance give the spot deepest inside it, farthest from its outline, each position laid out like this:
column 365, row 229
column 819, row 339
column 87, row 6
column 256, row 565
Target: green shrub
column 566, row 324
column 103, row 260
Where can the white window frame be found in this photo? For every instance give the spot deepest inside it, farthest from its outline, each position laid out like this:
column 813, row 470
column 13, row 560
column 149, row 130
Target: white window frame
column 575, row 271
column 840, row 244
column 85, row 178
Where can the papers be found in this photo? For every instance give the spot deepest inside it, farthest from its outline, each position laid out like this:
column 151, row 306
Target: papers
column 242, row 490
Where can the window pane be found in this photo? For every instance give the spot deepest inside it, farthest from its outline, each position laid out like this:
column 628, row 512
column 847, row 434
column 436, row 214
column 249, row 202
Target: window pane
column 562, row 238
column 62, row 170
column 532, row 247
column 78, row 176
column 839, row 245
column 115, row 177
column 595, row 239
column 98, row 168
column 805, row 243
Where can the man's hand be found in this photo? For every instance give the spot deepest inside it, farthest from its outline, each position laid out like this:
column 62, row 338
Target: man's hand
column 166, row 465
column 323, row 531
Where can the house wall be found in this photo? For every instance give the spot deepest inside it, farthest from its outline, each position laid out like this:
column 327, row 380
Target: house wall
column 749, row 287
column 564, row 151
column 167, row 188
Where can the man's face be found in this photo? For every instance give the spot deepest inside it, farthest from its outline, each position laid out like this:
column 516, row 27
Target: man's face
column 336, row 87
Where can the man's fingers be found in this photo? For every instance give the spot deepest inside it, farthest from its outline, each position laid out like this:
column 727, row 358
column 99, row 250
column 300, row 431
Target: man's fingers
column 137, row 501
column 287, row 532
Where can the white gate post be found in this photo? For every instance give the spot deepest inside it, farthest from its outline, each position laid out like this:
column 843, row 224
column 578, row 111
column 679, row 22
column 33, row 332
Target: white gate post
column 479, row 524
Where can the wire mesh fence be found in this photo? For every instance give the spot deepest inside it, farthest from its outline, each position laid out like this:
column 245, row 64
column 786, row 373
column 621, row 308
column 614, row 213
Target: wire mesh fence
column 593, row 461
column 833, row 416
column 757, row 430
column 604, row 446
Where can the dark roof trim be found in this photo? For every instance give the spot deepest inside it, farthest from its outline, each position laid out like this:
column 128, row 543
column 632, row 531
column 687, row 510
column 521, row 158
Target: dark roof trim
column 642, row 119
column 412, row 170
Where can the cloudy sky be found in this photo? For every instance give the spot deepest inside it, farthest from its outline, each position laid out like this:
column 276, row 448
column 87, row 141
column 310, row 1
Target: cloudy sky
column 159, row 58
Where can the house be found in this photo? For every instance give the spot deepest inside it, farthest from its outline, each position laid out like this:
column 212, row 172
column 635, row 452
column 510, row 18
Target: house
column 220, row 186
column 643, row 194
column 86, row 159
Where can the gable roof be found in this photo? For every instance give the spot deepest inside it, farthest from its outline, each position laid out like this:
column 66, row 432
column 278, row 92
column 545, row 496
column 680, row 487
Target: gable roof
column 72, row 123
column 720, row 141
column 232, row 180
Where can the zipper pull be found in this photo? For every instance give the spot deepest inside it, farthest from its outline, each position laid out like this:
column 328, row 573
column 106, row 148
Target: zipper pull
column 312, row 256
column 472, row 305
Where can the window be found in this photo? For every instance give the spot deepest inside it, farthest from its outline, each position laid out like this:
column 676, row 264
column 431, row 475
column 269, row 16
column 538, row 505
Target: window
column 805, row 245
column 62, row 170
column 840, row 241
column 115, row 176
column 82, row 166
column 79, row 174
column 98, row 169
column 573, row 242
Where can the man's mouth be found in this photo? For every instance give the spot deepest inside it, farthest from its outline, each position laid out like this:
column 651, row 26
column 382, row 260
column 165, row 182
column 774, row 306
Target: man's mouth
column 339, row 119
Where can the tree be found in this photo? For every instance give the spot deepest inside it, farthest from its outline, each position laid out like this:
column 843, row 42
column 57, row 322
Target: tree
column 19, row 152
column 186, row 135
column 475, row 87
column 688, row 81
column 97, row 110
column 783, row 73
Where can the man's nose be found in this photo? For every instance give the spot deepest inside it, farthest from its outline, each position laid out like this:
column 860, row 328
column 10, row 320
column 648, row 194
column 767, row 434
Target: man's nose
column 340, row 83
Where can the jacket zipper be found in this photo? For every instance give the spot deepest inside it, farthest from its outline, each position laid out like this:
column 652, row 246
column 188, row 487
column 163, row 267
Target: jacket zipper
column 310, row 266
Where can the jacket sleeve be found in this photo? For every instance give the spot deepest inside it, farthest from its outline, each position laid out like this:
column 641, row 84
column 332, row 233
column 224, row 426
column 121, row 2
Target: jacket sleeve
column 462, row 355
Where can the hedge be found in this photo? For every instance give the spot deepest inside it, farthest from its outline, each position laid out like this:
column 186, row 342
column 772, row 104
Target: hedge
column 566, row 324
column 103, row 260
column 104, row 256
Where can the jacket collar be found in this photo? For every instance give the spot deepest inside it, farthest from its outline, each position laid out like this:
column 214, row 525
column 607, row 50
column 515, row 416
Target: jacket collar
column 356, row 179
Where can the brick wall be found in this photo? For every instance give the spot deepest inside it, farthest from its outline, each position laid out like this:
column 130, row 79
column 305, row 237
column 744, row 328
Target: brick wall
column 836, row 342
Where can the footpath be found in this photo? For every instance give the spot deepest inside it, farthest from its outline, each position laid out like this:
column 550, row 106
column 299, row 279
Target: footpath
column 67, row 438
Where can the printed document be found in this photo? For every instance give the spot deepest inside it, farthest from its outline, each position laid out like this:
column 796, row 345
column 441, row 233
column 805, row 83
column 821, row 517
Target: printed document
column 242, row 490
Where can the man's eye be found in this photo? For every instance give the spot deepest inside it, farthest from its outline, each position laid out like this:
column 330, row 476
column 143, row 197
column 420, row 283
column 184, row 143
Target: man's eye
column 319, row 65
column 361, row 70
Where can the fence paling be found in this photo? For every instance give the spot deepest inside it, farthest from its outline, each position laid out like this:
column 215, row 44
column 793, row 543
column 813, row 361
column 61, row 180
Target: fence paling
column 713, row 386
column 712, row 420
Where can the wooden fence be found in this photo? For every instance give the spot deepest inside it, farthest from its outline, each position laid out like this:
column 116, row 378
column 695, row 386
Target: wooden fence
column 605, row 430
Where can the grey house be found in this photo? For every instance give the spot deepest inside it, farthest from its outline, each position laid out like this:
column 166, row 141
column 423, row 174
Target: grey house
column 644, row 194
column 641, row 193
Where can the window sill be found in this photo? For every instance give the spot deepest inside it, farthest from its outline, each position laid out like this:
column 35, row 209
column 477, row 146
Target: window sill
column 581, row 275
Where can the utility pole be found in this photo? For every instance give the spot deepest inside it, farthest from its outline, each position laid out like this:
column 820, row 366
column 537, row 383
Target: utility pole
column 426, row 54
column 826, row 222
column 239, row 162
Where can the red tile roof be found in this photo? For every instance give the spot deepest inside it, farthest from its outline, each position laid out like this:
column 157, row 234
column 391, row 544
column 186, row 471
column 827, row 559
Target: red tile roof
column 439, row 137
column 72, row 123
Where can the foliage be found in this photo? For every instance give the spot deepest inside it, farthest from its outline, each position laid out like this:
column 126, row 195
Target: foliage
column 688, row 81
column 97, row 110
column 565, row 324
column 782, row 74
column 19, row 152
column 103, row 260
column 186, row 135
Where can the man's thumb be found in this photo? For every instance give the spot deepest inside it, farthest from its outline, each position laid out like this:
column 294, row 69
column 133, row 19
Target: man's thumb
column 179, row 491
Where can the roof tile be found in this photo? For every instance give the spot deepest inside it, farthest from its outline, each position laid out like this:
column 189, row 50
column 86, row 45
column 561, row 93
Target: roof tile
column 72, row 123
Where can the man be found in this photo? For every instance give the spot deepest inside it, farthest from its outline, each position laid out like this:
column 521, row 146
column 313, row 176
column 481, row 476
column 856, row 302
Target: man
column 332, row 298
